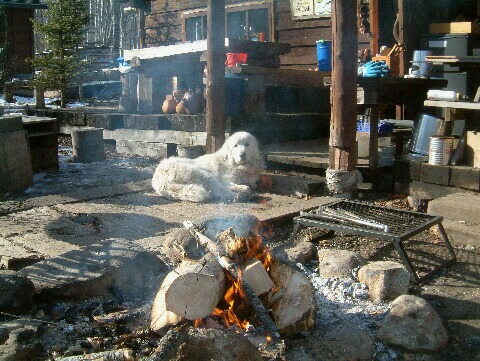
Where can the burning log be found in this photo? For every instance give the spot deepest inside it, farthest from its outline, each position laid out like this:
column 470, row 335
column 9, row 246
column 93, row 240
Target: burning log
column 114, row 355
column 225, row 261
column 296, row 310
column 257, row 277
column 191, row 291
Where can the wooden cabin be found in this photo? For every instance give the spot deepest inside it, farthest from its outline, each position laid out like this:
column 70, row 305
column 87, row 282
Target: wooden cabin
column 302, row 22
column 19, row 33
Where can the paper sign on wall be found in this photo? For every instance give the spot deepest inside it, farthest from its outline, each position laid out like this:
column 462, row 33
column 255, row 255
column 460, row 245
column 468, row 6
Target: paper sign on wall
column 304, row 9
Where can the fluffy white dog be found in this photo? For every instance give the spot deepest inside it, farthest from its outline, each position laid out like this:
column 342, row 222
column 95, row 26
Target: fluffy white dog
column 230, row 174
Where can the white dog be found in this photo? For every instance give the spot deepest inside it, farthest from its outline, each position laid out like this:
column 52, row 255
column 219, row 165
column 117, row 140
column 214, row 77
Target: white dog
column 230, row 174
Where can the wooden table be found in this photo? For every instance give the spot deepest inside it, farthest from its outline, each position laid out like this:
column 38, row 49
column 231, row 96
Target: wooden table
column 395, row 91
column 42, row 134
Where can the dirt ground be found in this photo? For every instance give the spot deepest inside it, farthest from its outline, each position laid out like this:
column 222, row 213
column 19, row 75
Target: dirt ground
column 454, row 293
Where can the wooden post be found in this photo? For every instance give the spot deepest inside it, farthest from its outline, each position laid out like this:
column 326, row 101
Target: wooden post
column 39, row 94
column 343, row 153
column 141, row 28
column 374, row 27
column 215, row 91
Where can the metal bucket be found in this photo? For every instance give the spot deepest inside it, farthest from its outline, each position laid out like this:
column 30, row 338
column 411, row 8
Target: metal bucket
column 440, row 150
column 425, row 126
column 421, row 67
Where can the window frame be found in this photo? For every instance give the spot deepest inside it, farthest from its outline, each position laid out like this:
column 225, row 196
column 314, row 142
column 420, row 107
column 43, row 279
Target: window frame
column 250, row 5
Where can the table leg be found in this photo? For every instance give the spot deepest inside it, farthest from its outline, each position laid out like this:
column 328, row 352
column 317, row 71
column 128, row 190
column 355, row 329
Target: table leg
column 373, row 145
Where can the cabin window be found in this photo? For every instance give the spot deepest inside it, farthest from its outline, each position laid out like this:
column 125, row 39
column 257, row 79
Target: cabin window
column 249, row 22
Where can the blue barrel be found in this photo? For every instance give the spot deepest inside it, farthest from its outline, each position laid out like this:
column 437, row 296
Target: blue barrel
column 324, row 55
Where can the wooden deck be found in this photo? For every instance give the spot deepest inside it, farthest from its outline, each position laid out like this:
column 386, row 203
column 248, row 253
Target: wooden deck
column 308, row 153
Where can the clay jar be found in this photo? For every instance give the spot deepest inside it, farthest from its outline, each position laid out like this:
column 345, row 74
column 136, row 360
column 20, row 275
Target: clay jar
column 169, row 105
column 180, row 109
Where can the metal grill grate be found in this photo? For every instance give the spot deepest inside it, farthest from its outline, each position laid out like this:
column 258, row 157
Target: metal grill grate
column 376, row 222
column 399, row 222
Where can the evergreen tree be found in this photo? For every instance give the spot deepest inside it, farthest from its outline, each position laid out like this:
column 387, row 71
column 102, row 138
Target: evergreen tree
column 64, row 31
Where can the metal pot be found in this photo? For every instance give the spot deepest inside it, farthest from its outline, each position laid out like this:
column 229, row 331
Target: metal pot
column 425, row 126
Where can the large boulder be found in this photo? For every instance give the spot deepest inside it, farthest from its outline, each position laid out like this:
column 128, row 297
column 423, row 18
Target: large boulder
column 386, row 280
column 413, row 324
column 338, row 263
column 114, row 267
column 301, row 252
column 16, row 292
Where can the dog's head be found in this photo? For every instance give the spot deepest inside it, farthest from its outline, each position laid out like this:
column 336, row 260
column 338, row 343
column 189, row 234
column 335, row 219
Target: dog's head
column 241, row 149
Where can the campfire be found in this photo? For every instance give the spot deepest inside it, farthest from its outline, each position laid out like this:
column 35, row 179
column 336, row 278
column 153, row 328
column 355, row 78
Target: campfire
column 236, row 285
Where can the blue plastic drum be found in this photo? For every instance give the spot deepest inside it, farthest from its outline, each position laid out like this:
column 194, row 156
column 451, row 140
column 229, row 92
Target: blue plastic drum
column 324, row 55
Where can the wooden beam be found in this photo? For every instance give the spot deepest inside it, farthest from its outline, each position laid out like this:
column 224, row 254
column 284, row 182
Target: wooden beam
column 374, row 29
column 215, row 90
column 141, row 28
column 344, row 87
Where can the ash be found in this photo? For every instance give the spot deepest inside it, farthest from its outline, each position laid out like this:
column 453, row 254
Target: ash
column 345, row 300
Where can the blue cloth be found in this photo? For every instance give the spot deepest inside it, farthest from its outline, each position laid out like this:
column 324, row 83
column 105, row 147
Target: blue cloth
column 375, row 69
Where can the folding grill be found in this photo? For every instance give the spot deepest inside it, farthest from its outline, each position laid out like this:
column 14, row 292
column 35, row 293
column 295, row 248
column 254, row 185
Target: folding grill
column 377, row 222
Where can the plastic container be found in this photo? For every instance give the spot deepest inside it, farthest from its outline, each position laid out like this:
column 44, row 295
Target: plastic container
column 440, row 150
column 233, row 59
column 383, row 127
column 324, row 55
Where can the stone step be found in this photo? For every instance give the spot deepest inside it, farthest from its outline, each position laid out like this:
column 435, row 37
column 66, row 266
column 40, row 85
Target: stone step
column 457, row 207
column 462, row 233
column 143, row 149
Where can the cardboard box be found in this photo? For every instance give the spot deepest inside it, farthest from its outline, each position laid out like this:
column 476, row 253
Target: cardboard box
column 458, row 27
column 472, row 149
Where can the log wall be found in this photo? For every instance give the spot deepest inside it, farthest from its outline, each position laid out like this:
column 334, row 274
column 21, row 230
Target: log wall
column 164, row 26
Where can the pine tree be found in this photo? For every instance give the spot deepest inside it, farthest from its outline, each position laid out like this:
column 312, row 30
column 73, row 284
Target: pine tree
column 64, row 32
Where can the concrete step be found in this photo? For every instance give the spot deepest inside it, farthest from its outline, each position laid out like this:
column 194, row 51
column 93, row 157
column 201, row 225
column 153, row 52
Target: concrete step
column 457, row 207
column 462, row 233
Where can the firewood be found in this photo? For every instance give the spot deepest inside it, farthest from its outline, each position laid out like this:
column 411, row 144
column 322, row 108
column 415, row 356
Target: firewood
column 120, row 317
column 231, row 268
column 256, row 276
column 194, row 288
column 234, row 246
column 296, row 310
column 162, row 318
column 191, row 291
column 113, row 355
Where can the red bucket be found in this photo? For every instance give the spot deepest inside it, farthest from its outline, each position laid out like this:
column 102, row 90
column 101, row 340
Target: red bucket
column 233, row 59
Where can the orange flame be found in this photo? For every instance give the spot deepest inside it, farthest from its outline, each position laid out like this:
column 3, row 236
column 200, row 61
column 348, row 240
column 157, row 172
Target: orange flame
column 235, row 300
column 234, row 308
